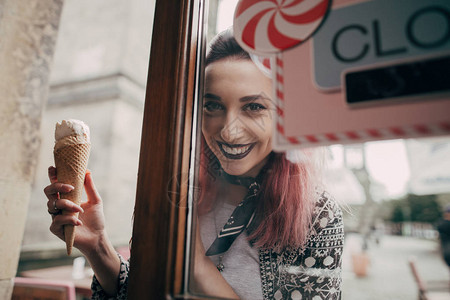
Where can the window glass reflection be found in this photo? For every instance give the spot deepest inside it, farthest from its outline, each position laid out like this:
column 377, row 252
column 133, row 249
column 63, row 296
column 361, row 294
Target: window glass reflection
column 267, row 228
column 382, row 189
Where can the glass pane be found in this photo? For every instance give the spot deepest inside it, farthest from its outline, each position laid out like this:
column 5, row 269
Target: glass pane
column 263, row 228
column 330, row 222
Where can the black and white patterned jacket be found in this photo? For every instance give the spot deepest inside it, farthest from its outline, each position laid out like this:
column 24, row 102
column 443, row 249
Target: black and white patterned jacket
column 312, row 272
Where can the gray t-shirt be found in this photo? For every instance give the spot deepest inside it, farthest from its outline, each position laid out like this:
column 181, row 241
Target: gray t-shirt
column 241, row 261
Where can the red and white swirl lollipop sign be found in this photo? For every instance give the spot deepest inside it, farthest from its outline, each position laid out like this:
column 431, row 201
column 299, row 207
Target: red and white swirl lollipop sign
column 266, row 27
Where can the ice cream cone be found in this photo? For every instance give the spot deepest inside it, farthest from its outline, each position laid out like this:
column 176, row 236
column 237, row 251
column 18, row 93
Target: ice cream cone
column 71, row 158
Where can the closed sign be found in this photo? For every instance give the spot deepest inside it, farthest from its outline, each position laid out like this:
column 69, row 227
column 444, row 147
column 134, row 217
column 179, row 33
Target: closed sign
column 378, row 32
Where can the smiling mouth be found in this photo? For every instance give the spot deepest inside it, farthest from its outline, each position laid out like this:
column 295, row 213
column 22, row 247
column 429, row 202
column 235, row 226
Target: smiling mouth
column 237, row 151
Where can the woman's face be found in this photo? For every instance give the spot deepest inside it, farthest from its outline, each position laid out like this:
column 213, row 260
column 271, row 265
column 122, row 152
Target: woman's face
column 237, row 115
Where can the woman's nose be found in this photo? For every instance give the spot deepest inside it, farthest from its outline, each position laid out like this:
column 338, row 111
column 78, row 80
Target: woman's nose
column 232, row 130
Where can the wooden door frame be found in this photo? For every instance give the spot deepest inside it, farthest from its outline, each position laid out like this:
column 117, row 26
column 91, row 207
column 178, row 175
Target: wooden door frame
column 158, row 251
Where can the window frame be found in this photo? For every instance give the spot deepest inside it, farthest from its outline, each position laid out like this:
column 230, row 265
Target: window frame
column 161, row 228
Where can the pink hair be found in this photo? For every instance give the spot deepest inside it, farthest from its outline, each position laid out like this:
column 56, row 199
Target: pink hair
column 285, row 203
column 286, row 198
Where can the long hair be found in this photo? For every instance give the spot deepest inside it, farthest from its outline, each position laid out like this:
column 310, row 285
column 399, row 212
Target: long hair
column 286, row 198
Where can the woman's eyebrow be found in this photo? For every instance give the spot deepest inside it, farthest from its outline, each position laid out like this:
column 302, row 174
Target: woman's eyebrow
column 249, row 98
column 212, row 96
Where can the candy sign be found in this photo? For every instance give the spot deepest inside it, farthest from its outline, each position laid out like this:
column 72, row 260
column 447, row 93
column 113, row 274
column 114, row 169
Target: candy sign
column 373, row 70
column 269, row 26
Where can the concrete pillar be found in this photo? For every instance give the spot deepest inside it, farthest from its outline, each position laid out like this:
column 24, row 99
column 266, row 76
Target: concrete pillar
column 28, row 31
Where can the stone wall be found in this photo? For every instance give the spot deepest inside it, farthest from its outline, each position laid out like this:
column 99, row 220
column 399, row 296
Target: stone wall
column 28, row 30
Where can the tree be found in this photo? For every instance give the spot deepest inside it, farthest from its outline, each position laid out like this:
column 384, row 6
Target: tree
column 424, row 208
column 397, row 213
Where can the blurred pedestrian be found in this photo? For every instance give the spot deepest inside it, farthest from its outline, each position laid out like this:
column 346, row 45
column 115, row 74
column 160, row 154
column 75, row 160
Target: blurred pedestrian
column 444, row 234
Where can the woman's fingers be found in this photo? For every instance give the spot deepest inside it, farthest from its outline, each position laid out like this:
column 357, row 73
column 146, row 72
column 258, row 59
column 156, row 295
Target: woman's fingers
column 57, row 226
column 57, row 187
column 55, row 205
column 52, row 192
column 91, row 191
column 52, row 174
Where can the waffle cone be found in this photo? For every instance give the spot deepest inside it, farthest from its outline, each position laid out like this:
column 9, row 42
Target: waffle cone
column 71, row 164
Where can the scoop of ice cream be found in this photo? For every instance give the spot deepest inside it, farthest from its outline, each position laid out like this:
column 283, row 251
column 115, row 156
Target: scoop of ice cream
column 70, row 128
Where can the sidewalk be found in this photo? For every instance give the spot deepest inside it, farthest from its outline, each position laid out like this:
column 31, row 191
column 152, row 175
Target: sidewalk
column 389, row 276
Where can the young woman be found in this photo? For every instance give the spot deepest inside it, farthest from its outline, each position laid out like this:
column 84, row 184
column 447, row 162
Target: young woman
column 266, row 231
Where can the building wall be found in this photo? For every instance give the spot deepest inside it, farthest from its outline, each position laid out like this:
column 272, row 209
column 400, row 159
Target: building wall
column 28, row 30
column 103, row 37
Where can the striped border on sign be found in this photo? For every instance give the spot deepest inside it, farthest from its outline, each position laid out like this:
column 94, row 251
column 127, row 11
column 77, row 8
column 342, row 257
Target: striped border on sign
column 348, row 137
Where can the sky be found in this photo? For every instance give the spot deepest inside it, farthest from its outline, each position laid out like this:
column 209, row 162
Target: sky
column 386, row 162
column 226, row 12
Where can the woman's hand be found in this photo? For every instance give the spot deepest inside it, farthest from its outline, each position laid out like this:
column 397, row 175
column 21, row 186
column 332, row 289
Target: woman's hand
column 91, row 222
column 90, row 237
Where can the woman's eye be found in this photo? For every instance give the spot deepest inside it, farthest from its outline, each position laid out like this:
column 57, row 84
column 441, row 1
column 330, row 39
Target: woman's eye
column 254, row 107
column 212, row 106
